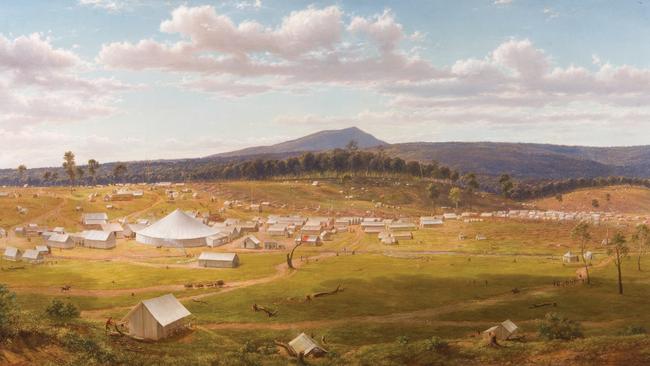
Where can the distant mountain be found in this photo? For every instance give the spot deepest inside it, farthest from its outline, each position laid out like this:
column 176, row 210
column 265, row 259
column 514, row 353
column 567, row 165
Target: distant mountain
column 319, row 141
column 535, row 161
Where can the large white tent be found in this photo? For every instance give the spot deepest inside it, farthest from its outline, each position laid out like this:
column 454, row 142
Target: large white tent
column 177, row 229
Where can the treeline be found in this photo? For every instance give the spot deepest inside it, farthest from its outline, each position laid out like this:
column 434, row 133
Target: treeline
column 334, row 162
column 528, row 190
column 324, row 164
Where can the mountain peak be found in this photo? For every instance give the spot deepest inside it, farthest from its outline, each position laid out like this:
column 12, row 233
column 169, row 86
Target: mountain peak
column 318, row 141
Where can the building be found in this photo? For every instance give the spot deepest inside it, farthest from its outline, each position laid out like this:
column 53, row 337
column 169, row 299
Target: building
column 218, row 260
column 177, row 229
column 115, row 228
column 98, row 239
column 569, row 257
column 502, row 331
column 217, row 239
column 402, row 226
column 278, row 230
column 157, row 318
column 251, row 242
column 402, row 235
column 305, row 345
column 33, row 256
column 12, row 254
column 94, row 221
column 130, row 229
column 43, row 249
column 429, row 222
column 61, row 241
column 310, row 240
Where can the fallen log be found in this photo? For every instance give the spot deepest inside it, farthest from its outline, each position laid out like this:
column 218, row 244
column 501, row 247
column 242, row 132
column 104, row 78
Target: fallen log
column 326, row 293
column 535, row 306
column 200, row 301
column 288, row 348
column 269, row 312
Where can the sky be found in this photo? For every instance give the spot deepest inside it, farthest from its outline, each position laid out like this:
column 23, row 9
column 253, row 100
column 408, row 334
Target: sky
column 120, row 80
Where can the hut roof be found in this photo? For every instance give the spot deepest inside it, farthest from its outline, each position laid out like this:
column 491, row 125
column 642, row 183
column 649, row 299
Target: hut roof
column 165, row 309
column 211, row 256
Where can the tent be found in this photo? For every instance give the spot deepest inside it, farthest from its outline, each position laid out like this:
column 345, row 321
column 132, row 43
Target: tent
column 307, row 346
column 503, row 331
column 569, row 257
column 156, row 318
column 98, row 239
column 62, row 241
column 115, row 228
column 33, row 256
column 94, row 220
column 251, row 242
column 177, row 229
column 218, row 260
column 12, row 254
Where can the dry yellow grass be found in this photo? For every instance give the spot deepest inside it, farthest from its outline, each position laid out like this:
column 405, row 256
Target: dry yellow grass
column 623, row 199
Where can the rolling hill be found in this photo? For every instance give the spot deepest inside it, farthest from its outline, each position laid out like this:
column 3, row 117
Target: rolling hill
column 523, row 161
column 319, row 141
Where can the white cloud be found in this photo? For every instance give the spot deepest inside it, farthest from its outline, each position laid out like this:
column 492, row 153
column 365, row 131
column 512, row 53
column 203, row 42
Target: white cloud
column 502, row 2
column 550, row 13
column 111, row 5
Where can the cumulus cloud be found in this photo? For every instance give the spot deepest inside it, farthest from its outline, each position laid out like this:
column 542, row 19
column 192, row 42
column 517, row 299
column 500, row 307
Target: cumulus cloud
column 40, row 83
column 309, row 46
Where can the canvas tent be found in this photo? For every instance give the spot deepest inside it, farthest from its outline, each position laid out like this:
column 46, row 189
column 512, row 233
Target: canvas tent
column 98, row 239
column 218, row 260
column 569, row 257
column 251, row 242
column 33, row 256
column 94, row 220
column 12, row 254
column 156, row 318
column 502, row 331
column 114, row 227
column 305, row 345
column 62, row 241
column 177, row 229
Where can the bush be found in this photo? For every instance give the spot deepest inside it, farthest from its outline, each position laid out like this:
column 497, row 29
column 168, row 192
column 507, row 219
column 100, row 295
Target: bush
column 633, row 330
column 436, row 344
column 555, row 326
column 60, row 311
column 402, row 340
column 8, row 314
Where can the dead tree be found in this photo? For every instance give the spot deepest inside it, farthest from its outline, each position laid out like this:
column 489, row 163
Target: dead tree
column 287, row 348
column 290, row 256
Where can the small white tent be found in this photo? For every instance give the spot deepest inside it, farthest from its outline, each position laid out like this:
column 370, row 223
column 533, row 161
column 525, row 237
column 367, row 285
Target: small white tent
column 503, row 331
column 307, row 346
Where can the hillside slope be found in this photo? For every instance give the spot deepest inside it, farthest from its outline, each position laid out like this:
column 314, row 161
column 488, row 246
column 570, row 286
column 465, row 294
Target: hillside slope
column 622, row 199
column 319, row 141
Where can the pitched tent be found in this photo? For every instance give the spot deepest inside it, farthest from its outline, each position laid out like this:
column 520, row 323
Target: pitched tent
column 307, row 346
column 12, row 254
column 177, row 229
column 218, row 260
column 503, row 331
column 43, row 249
column 94, row 220
column 61, row 241
column 33, row 256
column 130, row 229
column 217, row 239
column 251, row 242
column 98, row 239
column 156, row 318
column 115, row 228
column 569, row 257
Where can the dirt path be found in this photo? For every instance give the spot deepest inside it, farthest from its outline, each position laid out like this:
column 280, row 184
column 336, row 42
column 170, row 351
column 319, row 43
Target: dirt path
column 136, row 214
column 282, row 271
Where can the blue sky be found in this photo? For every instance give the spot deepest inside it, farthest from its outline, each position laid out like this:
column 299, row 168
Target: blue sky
column 126, row 80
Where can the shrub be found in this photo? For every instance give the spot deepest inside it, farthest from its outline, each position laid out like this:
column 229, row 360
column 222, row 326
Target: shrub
column 8, row 315
column 436, row 344
column 60, row 311
column 556, row 326
column 633, row 330
column 402, row 340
